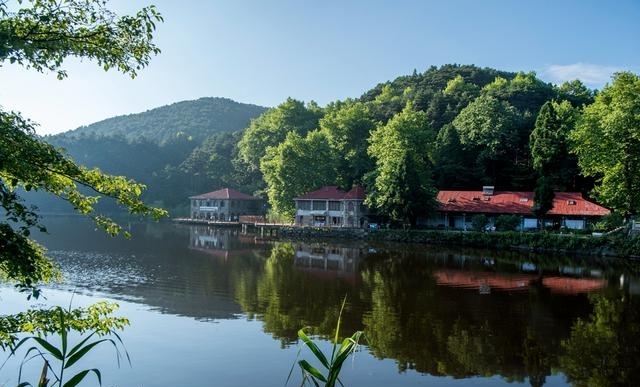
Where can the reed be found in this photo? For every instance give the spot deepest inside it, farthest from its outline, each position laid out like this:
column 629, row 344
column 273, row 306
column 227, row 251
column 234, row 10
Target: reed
column 58, row 360
column 333, row 363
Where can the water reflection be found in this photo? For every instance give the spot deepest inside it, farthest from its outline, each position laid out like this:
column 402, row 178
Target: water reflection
column 459, row 314
column 604, row 348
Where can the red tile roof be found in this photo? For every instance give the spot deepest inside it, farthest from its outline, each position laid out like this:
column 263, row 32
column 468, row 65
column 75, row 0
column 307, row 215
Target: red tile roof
column 332, row 192
column 515, row 282
column 357, row 193
column 508, row 202
column 225, row 193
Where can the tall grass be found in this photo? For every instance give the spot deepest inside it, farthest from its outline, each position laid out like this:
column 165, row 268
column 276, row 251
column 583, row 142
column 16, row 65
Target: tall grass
column 331, row 364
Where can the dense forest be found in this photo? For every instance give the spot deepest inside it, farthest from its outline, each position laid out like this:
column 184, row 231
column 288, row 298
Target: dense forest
column 452, row 127
column 150, row 147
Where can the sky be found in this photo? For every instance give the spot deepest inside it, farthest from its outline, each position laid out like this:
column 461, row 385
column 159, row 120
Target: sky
column 264, row 51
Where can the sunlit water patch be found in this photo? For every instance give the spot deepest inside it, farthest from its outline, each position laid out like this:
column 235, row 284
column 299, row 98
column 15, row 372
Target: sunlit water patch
column 87, row 272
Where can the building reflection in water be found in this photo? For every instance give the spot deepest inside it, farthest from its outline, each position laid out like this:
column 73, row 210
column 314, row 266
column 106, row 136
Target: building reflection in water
column 329, row 260
column 220, row 242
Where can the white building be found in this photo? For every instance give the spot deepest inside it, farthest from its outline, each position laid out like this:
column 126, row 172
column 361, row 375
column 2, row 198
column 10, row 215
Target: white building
column 331, row 207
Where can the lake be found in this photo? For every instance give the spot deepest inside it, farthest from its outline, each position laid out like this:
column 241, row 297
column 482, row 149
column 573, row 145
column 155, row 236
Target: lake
column 214, row 307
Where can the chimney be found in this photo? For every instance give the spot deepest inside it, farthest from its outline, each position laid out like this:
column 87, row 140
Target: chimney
column 487, row 190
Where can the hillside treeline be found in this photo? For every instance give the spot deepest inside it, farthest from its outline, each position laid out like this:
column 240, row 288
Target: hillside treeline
column 452, row 127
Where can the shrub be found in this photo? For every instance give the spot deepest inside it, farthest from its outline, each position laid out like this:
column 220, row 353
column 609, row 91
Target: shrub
column 507, row 222
column 609, row 222
column 478, row 222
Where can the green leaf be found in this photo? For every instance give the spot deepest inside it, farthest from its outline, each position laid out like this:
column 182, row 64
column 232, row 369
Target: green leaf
column 314, row 348
column 79, row 345
column 77, row 378
column 63, row 331
column 71, row 360
column 55, row 352
column 311, row 370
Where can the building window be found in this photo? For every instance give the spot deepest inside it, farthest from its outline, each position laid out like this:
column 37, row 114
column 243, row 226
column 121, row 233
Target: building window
column 304, row 205
column 319, row 206
column 221, row 203
column 335, row 206
column 319, row 221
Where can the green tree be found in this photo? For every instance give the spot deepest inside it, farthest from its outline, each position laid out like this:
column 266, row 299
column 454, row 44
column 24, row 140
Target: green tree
column 402, row 185
column 576, row 93
column 549, row 144
column 547, row 150
column 543, row 196
column 488, row 128
column 453, row 166
column 297, row 165
column 389, row 101
column 272, row 127
column 40, row 36
column 525, row 92
column 546, row 140
column 606, row 141
column 479, row 222
column 212, row 162
column 347, row 126
column 507, row 222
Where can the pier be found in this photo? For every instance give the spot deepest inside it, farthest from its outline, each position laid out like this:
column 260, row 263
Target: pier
column 246, row 224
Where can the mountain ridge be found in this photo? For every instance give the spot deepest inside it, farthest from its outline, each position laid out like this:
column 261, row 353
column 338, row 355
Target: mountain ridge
column 197, row 119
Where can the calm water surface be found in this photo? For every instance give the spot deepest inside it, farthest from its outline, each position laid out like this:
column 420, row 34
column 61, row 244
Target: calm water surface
column 213, row 307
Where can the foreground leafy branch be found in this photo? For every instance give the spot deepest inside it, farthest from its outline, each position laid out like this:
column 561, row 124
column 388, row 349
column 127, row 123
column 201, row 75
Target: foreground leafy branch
column 28, row 163
column 39, row 35
column 96, row 322
column 43, row 33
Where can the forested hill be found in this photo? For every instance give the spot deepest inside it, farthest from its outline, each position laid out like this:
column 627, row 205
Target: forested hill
column 197, row 119
column 449, row 127
column 150, row 147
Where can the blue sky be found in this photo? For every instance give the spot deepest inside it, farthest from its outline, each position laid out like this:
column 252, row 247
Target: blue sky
column 263, row 51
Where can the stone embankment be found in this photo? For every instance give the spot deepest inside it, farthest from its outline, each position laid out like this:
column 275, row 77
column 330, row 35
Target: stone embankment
column 583, row 245
column 322, row 232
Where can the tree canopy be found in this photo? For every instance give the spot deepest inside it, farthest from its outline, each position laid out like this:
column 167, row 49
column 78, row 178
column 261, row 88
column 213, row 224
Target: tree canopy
column 40, row 36
column 286, row 169
column 402, row 185
column 272, row 127
column 606, row 141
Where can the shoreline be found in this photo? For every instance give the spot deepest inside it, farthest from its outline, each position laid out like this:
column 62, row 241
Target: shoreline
column 615, row 246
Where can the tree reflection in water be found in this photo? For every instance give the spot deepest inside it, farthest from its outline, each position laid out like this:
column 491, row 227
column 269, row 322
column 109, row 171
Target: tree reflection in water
column 423, row 307
column 603, row 349
column 408, row 316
